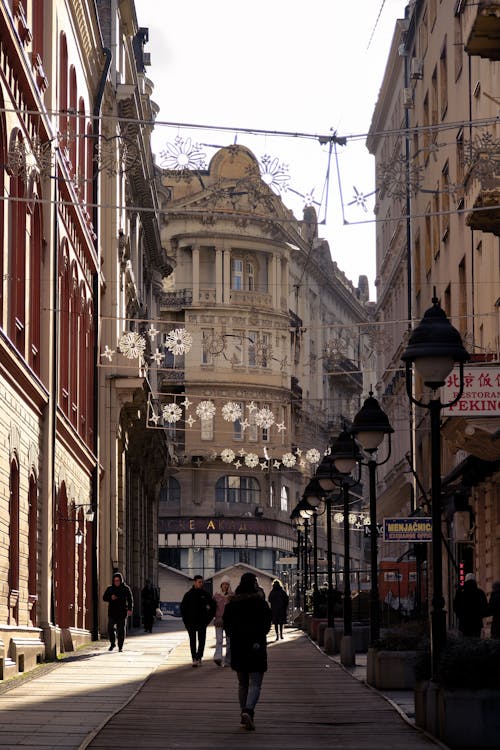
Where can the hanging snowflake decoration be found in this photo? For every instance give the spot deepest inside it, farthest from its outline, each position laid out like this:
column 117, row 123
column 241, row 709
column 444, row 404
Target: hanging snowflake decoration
column 183, row 154
column 179, row 341
column 313, row 456
column 482, row 156
column 352, row 518
column 366, row 521
column 359, row 199
column 132, row 345
column 274, row 174
column 171, row 413
column 232, row 411
column 206, row 410
column 251, row 460
column 264, row 418
column 289, row 460
column 338, row 517
column 397, row 177
column 228, row 455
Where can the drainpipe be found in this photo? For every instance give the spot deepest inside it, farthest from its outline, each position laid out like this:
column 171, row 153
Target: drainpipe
column 96, row 128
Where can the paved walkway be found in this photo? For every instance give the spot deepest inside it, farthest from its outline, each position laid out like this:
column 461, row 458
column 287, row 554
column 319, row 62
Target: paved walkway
column 149, row 696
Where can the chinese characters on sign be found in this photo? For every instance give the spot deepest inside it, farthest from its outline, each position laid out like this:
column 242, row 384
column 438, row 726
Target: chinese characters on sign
column 481, row 392
column 407, row 529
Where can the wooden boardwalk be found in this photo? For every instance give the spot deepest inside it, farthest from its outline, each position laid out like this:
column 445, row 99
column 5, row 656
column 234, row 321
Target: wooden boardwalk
column 307, row 701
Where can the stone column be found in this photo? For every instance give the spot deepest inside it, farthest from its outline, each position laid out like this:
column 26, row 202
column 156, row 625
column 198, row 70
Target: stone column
column 196, row 274
column 227, row 276
column 218, row 276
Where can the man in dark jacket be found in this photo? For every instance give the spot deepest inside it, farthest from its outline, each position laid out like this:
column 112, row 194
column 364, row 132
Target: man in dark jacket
column 150, row 600
column 197, row 610
column 120, row 605
column 247, row 621
column 470, row 606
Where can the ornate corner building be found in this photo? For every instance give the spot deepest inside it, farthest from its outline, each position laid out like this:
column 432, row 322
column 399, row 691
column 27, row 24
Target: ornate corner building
column 274, row 363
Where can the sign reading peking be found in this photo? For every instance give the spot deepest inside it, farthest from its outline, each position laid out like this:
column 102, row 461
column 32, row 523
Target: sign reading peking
column 481, row 396
column 407, row 529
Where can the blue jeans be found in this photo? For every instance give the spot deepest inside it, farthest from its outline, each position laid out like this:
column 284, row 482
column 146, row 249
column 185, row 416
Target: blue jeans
column 249, row 685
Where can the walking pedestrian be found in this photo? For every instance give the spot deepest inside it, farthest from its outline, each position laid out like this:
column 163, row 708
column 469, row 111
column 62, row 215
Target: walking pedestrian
column 470, row 606
column 197, row 610
column 278, row 599
column 120, row 606
column 494, row 609
column 247, row 620
column 150, row 600
column 221, row 599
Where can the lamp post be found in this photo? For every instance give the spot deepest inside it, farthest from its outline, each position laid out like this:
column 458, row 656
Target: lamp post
column 334, row 471
column 370, row 425
column 434, row 347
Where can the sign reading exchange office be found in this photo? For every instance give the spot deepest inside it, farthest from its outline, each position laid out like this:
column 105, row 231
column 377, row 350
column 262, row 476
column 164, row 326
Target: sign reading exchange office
column 407, row 529
column 481, row 394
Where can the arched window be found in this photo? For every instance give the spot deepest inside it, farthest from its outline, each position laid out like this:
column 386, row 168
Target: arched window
column 17, row 253
column 82, row 158
column 63, row 88
column 13, row 576
column 75, row 311
column 33, row 547
column 89, row 168
column 73, row 119
column 34, row 283
column 237, row 489
column 64, row 329
column 90, row 374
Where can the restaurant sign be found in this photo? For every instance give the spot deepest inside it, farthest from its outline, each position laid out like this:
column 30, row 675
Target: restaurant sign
column 407, row 529
column 481, row 396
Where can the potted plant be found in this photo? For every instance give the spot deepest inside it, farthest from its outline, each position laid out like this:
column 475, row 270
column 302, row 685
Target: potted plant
column 392, row 658
column 462, row 707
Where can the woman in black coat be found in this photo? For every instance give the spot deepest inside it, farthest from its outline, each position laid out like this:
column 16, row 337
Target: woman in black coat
column 278, row 599
column 247, row 621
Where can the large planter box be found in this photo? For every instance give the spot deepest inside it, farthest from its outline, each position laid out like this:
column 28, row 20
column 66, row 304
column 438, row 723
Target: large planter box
column 469, row 718
column 391, row 670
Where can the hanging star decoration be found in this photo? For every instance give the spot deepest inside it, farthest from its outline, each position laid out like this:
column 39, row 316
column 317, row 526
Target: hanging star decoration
column 186, row 403
column 263, row 465
column 154, row 418
column 152, row 332
column 108, row 353
column 237, row 464
column 190, row 421
column 157, row 357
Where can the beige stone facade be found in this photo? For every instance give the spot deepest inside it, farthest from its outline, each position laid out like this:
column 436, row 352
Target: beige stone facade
column 276, row 329
column 435, row 139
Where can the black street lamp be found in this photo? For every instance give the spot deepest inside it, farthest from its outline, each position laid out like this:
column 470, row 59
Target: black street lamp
column 434, row 347
column 370, row 425
column 334, row 471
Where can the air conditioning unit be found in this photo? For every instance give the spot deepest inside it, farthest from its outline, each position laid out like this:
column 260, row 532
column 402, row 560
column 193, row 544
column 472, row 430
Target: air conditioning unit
column 416, row 68
column 407, row 98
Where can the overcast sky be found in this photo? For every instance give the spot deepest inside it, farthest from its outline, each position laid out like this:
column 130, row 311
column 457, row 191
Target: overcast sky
column 279, row 65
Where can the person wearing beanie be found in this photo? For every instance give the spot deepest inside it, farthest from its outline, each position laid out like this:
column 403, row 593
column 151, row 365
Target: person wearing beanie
column 221, row 599
column 120, row 606
column 247, row 621
column 470, row 606
column 197, row 610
